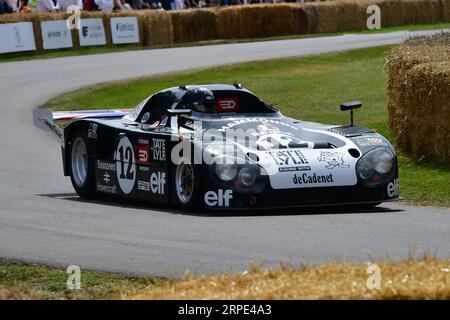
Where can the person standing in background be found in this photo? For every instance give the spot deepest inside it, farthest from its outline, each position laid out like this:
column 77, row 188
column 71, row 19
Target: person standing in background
column 105, row 5
column 46, row 6
column 177, row 5
column 64, row 4
column 13, row 5
column 32, row 4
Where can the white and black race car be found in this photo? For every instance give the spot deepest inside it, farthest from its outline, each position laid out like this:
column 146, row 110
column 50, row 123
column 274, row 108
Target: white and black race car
column 220, row 146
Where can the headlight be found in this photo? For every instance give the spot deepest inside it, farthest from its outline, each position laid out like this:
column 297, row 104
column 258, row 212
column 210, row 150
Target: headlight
column 376, row 167
column 247, row 176
column 226, row 168
column 383, row 161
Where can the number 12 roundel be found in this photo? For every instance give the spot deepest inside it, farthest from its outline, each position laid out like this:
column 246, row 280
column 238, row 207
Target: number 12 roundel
column 125, row 165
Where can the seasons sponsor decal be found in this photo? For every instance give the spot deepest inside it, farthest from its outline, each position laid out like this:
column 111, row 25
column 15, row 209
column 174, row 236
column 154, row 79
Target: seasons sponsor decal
column 106, row 177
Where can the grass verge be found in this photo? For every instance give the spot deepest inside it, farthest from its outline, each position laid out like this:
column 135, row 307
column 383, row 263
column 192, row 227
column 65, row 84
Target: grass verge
column 21, row 56
column 425, row 278
column 19, row 281
column 307, row 88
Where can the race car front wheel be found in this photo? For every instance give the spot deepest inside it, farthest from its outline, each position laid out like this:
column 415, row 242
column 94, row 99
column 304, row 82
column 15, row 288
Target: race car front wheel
column 187, row 186
column 81, row 166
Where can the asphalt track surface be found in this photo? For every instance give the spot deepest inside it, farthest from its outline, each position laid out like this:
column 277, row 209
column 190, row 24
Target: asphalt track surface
column 43, row 221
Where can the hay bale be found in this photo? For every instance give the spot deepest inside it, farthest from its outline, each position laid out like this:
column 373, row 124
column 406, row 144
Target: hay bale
column 256, row 21
column 419, row 96
column 158, row 30
column 305, row 17
column 194, row 25
column 327, row 17
column 351, row 15
column 445, row 10
column 278, row 20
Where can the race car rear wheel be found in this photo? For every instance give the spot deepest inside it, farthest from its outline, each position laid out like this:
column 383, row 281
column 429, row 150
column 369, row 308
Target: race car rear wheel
column 81, row 166
column 187, row 186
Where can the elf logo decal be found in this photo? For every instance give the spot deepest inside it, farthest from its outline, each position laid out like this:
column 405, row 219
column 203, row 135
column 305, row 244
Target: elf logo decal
column 125, row 165
column 221, row 198
column 333, row 159
column 392, row 189
column 158, row 182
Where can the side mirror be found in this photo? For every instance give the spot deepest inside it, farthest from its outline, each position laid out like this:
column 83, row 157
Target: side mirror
column 351, row 106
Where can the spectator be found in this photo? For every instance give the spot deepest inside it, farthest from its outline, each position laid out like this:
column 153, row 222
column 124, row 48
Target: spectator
column 105, row 5
column 177, row 5
column 13, row 5
column 90, row 5
column 23, row 8
column 121, row 5
column 32, row 4
column 64, row 4
column 46, row 6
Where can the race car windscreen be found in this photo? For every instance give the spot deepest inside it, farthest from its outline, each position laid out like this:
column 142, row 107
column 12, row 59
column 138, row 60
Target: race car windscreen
column 240, row 102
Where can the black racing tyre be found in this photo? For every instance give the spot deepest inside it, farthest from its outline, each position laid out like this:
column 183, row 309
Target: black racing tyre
column 187, row 186
column 81, row 165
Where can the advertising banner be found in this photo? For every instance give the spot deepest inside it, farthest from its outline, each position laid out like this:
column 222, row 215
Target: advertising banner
column 17, row 37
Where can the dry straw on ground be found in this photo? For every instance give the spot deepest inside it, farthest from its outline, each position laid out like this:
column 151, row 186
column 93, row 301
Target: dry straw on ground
column 423, row 279
column 419, row 96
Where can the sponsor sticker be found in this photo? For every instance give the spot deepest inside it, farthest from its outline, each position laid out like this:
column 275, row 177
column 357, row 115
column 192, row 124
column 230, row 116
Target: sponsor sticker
column 221, row 198
column 288, row 157
column 369, row 141
column 158, row 182
column 158, row 149
column 333, row 159
column 143, row 152
column 392, row 189
column 227, row 104
column 143, row 185
column 309, row 168
column 92, row 131
column 106, row 177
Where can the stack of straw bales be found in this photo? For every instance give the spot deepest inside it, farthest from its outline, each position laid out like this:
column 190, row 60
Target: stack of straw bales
column 419, row 96
column 161, row 28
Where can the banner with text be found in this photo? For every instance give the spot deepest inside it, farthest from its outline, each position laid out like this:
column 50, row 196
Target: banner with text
column 17, row 37
column 124, row 30
column 55, row 34
column 92, row 32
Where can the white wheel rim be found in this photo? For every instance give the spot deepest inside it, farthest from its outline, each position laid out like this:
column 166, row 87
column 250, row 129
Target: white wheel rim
column 184, row 182
column 79, row 161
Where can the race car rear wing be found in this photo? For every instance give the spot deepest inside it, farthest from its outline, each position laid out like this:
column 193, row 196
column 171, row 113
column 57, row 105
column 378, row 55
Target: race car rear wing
column 48, row 121
column 43, row 119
